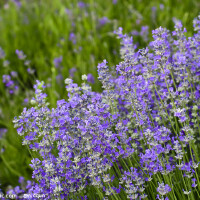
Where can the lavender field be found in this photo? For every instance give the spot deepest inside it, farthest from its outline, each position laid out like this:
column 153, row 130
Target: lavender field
column 100, row 100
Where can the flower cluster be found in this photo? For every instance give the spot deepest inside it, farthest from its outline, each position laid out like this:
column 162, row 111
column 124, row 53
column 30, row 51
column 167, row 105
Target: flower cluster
column 137, row 139
column 20, row 54
column 10, row 84
column 21, row 191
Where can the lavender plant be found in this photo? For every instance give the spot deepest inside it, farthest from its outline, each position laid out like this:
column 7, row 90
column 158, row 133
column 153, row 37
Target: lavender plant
column 10, row 84
column 138, row 139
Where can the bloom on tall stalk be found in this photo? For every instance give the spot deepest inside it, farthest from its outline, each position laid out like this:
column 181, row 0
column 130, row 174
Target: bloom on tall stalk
column 138, row 139
column 11, row 86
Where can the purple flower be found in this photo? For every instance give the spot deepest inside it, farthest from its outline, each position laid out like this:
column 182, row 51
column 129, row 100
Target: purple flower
column 144, row 33
column 194, row 182
column 81, row 4
column 10, row 84
column 68, row 11
column 132, row 122
column 72, row 37
column 103, row 21
column 21, row 179
column 163, row 189
column 161, row 6
column 6, row 78
column 72, row 71
column 57, row 61
column 20, row 54
column 90, row 78
column 3, row 131
column 17, row 3
column 26, row 100
column 30, row 71
column 14, row 74
column 59, row 78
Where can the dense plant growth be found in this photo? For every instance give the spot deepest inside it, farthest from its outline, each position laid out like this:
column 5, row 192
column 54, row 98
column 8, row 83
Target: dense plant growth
column 134, row 132
column 137, row 139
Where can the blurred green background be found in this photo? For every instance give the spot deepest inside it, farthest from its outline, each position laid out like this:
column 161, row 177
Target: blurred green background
column 51, row 40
